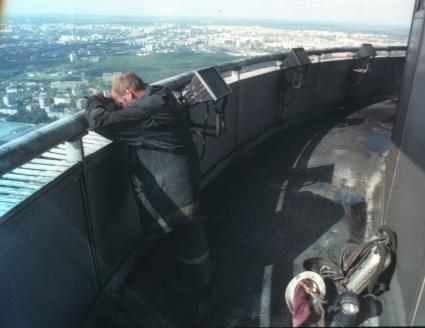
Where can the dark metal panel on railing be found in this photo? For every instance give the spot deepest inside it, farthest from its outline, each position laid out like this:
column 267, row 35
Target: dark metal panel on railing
column 117, row 228
column 331, row 82
column 258, row 105
column 393, row 74
column 47, row 273
column 370, row 83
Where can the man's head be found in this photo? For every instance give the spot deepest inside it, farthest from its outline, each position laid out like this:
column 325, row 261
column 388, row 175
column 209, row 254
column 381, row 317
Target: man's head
column 127, row 88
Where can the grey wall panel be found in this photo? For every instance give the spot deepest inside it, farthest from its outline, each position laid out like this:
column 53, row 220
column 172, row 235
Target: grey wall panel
column 411, row 59
column 254, row 104
column 258, row 105
column 326, row 85
column 372, row 83
column 405, row 207
column 47, row 276
column 406, row 215
column 332, row 82
column 117, row 226
column 366, row 84
column 420, row 315
column 393, row 75
column 415, row 43
column 362, row 85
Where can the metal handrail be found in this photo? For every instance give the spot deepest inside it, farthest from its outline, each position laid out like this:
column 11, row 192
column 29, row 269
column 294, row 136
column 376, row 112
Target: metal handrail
column 23, row 149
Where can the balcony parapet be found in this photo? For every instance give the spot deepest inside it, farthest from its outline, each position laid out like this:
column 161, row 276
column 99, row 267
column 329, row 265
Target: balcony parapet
column 21, row 150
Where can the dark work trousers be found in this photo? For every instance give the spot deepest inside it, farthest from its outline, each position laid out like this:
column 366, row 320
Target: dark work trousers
column 189, row 245
column 192, row 256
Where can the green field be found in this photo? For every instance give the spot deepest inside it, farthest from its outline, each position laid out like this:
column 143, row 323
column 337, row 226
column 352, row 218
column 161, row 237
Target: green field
column 158, row 66
column 151, row 68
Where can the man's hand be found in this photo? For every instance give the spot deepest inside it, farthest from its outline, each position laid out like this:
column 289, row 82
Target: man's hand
column 99, row 100
column 99, row 97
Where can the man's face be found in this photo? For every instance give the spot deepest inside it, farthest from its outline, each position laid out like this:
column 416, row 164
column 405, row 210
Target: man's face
column 124, row 100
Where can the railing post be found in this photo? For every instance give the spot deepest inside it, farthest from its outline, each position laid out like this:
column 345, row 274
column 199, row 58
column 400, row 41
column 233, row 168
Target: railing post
column 236, row 75
column 74, row 150
column 75, row 154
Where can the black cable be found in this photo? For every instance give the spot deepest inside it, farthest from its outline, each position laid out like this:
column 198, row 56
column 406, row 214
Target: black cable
column 288, row 90
column 291, row 99
column 203, row 133
column 392, row 237
column 220, row 112
column 224, row 104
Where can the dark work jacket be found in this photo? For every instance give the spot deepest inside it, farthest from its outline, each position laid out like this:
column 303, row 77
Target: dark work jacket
column 164, row 165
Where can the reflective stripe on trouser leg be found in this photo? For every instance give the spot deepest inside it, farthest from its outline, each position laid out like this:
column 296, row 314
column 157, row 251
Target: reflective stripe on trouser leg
column 195, row 261
column 138, row 188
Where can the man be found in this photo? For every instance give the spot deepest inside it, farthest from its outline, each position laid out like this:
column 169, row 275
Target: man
column 164, row 168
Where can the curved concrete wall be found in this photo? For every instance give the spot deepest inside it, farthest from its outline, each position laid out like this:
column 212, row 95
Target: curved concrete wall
column 62, row 244
column 254, row 105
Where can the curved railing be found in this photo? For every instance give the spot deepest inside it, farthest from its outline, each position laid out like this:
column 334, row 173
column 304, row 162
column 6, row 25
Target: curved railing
column 21, row 150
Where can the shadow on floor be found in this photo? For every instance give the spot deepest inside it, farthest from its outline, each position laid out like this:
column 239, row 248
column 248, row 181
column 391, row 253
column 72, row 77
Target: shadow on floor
column 260, row 218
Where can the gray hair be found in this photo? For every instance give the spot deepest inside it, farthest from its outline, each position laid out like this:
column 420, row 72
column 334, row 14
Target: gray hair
column 128, row 81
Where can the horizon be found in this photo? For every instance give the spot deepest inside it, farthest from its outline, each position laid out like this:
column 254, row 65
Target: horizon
column 234, row 20
column 359, row 12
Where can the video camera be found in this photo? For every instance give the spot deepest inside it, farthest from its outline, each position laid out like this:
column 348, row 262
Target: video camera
column 207, row 87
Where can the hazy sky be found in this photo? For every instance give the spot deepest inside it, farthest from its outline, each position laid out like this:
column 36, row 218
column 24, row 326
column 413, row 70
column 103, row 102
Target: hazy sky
column 388, row 12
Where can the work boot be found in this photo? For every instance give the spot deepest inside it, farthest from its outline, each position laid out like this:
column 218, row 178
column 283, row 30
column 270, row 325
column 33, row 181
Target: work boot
column 182, row 303
column 209, row 314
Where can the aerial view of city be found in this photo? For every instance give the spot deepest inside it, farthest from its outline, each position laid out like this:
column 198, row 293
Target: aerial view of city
column 50, row 63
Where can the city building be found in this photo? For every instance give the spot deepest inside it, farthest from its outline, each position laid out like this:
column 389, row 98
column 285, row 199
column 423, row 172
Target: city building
column 61, row 101
column 9, row 100
column 32, row 107
column 8, row 111
column 72, row 57
column 44, row 102
column 56, row 115
column 69, row 84
column 77, row 91
column 11, row 90
column 49, row 108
